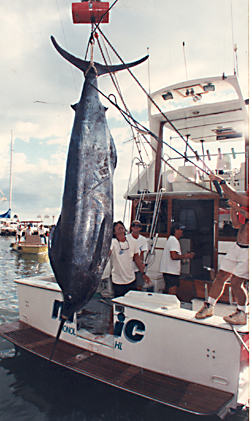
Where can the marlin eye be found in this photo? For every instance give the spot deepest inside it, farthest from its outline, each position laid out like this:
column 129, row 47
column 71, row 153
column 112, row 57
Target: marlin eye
column 69, row 297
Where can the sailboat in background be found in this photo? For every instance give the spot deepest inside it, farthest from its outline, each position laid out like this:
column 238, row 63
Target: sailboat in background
column 8, row 225
column 2, row 198
column 8, row 213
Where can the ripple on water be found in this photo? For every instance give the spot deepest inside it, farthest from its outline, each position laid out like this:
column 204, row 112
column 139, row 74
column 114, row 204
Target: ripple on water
column 16, row 266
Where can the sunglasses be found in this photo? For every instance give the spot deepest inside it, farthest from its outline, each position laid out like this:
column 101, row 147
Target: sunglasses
column 123, row 249
column 136, row 225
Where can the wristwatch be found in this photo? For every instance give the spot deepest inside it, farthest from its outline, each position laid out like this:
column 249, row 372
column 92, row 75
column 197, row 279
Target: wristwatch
column 222, row 182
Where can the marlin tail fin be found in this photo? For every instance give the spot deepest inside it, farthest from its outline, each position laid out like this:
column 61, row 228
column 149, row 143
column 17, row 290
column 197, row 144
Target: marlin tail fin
column 101, row 69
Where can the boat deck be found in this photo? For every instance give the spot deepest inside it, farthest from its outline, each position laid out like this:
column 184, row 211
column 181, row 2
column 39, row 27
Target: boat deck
column 174, row 392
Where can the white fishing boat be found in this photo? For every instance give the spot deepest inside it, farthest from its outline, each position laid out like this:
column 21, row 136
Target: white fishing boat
column 8, row 227
column 32, row 244
column 158, row 349
column 174, row 188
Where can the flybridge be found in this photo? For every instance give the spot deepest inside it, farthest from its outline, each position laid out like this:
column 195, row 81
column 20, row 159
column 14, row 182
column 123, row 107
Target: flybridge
column 210, row 109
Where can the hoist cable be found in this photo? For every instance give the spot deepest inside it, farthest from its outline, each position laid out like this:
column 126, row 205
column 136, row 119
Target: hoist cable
column 149, row 97
column 117, row 87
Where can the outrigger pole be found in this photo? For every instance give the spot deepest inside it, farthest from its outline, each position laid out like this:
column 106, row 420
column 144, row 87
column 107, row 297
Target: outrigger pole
column 218, row 189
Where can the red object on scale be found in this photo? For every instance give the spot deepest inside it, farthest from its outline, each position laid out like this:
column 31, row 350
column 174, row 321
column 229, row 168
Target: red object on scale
column 90, row 12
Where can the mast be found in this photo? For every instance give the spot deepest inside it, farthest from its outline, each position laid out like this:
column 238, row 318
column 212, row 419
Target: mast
column 11, row 171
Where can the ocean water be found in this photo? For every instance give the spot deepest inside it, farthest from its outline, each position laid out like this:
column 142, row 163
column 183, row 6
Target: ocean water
column 34, row 389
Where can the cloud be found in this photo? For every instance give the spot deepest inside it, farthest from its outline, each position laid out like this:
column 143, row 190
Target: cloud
column 38, row 86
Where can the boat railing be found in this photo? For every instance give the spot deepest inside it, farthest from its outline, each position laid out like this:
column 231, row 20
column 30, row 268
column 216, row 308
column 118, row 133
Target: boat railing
column 140, row 204
column 156, row 212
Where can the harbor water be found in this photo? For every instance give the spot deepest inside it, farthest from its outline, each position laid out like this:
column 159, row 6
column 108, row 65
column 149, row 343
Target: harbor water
column 35, row 389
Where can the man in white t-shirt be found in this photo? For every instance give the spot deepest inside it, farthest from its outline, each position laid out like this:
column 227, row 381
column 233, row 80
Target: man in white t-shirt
column 135, row 228
column 28, row 230
column 123, row 251
column 170, row 264
column 19, row 233
column 41, row 232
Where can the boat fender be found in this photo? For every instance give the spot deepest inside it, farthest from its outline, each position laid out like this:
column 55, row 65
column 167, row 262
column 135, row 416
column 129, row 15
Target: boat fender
column 19, row 248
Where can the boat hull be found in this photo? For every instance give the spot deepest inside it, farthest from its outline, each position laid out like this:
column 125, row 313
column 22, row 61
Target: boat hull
column 30, row 249
column 187, row 396
column 153, row 337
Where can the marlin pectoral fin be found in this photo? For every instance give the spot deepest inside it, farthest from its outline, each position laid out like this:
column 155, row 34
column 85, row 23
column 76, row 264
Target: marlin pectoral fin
column 97, row 254
column 52, row 234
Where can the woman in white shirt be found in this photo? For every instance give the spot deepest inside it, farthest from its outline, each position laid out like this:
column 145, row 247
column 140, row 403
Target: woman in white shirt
column 123, row 251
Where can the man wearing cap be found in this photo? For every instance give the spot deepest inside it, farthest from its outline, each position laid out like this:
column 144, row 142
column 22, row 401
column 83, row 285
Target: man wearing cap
column 170, row 264
column 135, row 228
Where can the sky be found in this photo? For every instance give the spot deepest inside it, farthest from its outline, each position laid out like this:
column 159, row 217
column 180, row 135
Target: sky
column 38, row 86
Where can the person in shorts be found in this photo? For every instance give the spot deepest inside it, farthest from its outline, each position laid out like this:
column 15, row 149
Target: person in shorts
column 235, row 264
column 170, row 264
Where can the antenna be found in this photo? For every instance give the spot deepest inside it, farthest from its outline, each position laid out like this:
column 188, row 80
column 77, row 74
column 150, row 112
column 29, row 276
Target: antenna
column 234, row 46
column 183, row 43
column 148, row 67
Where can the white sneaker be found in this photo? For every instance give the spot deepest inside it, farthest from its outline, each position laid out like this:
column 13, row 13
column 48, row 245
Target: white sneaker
column 206, row 311
column 236, row 318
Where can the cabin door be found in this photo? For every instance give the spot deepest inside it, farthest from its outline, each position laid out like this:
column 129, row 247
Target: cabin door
column 197, row 215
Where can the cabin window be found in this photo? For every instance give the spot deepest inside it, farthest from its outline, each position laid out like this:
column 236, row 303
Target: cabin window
column 187, row 218
column 225, row 225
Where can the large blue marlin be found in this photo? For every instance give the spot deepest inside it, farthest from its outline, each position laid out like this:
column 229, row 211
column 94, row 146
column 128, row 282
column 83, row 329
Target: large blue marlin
column 81, row 240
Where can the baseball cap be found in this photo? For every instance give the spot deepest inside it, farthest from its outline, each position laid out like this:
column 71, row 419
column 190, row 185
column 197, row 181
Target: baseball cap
column 136, row 221
column 177, row 226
